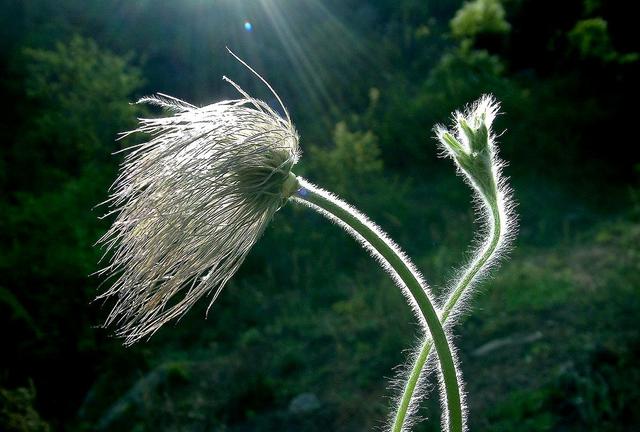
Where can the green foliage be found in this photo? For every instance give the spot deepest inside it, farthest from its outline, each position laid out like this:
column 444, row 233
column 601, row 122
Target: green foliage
column 479, row 17
column 589, row 395
column 51, row 238
column 17, row 413
column 526, row 411
column 16, row 311
column 462, row 73
column 594, row 391
column 76, row 100
column 306, row 314
column 590, row 37
column 581, row 391
column 79, row 97
column 352, row 163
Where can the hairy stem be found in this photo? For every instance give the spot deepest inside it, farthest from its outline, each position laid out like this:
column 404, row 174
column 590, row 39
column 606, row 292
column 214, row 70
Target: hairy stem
column 372, row 237
column 475, row 267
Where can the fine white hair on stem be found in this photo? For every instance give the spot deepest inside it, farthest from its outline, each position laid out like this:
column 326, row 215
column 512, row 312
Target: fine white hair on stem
column 306, row 185
column 190, row 203
column 471, row 144
column 474, row 150
column 403, row 273
column 479, row 164
column 422, row 386
column 461, row 389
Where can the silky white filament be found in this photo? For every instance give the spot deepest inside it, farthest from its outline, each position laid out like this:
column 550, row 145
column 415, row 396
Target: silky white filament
column 190, row 203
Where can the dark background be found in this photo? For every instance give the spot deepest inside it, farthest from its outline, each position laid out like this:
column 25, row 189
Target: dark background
column 309, row 333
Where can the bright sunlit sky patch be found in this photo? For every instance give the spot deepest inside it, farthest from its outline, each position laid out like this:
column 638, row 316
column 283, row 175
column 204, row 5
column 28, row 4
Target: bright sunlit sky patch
column 310, row 51
column 323, row 52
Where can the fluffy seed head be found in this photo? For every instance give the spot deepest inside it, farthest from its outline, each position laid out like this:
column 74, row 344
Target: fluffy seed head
column 190, row 203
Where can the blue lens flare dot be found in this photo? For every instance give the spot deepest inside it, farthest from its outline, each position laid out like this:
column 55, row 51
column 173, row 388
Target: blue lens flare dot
column 248, row 26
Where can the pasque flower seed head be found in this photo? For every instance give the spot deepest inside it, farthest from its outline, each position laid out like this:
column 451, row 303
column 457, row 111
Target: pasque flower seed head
column 190, row 203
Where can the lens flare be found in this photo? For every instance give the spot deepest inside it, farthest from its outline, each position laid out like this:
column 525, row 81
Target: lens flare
column 248, row 26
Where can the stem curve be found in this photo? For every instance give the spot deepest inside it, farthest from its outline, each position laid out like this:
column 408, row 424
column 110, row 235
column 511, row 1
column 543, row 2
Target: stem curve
column 373, row 239
column 475, row 267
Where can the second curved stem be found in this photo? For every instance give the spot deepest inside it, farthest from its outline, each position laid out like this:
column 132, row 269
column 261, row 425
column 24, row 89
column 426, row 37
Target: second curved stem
column 467, row 278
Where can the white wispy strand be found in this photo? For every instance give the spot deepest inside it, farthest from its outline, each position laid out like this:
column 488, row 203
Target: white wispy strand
column 190, row 204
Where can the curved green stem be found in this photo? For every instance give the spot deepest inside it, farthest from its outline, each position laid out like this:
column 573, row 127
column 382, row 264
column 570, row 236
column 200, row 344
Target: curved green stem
column 465, row 281
column 361, row 228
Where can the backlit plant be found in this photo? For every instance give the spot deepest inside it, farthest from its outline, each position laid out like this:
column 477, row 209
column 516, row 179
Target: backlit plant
column 191, row 202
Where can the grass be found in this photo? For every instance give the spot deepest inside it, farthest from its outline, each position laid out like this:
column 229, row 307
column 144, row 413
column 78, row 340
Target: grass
column 581, row 300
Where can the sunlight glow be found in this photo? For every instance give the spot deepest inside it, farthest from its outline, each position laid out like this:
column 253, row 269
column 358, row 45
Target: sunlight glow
column 339, row 40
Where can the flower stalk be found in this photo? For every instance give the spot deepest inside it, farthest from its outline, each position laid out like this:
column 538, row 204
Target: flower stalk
column 192, row 201
column 414, row 287
column 468, row 277
column 472, row 146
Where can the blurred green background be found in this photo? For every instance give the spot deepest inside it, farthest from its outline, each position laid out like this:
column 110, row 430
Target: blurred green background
column 308, row 335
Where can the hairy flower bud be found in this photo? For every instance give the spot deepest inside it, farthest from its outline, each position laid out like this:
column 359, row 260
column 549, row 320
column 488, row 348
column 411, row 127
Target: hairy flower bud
column 471, row 144
column 190, row 204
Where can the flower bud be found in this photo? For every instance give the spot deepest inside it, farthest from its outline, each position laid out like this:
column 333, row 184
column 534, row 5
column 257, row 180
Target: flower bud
column 471, row 144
